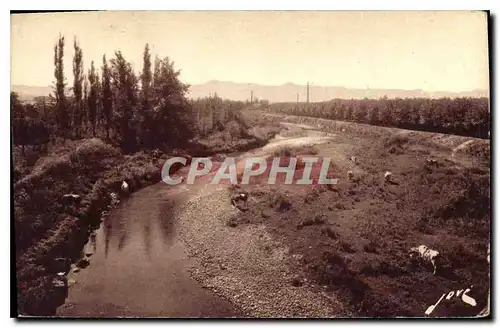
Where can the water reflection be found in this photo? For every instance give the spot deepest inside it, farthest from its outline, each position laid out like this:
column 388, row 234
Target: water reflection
column 93, row 241
column 138, row 218
column 91, row 247
column 108, row 227
column 147, row 237
column 166, row 220
column 123, row 231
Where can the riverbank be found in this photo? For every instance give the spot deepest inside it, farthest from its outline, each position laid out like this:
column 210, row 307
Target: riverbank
column 45, row 229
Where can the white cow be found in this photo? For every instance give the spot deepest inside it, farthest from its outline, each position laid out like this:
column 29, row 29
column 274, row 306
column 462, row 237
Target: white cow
column 71, row 199
column 124, row 188
column 350, row 174
column 426, row 255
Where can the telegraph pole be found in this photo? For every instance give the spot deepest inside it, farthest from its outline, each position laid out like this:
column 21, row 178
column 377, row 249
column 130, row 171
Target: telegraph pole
column 251, row 96
column 297, row 97
column 307, row 91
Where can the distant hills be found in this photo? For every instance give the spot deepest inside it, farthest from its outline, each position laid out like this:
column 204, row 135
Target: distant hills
column 288, row 92
column 279, row 93
column 28, row 93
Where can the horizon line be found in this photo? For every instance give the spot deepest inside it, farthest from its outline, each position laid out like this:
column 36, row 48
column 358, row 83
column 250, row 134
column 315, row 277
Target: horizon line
column 295, row 84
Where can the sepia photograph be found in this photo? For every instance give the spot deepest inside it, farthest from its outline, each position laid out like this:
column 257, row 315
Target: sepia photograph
column 251, row 164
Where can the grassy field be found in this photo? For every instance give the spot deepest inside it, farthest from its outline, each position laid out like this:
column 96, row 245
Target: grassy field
column 353, row 238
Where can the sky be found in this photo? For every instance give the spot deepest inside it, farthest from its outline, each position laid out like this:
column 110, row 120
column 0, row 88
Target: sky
column 428, row 50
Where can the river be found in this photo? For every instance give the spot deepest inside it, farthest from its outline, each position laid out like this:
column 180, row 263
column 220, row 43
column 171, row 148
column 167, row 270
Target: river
column 139, row 268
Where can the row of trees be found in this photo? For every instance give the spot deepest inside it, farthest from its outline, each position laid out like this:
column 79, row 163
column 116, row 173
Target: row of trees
column 213, row 112
column 462, row 116
column 133, row 111
column 148, row 110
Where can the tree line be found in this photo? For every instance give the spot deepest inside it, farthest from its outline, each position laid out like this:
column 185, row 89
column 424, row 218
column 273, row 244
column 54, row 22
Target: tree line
column 461, row 116
column 148, row 110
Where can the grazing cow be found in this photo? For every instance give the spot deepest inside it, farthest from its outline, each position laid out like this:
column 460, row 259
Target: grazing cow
column 239, row 197
column 124, row 188
column 387, row 176
column 426, row 255
column 71, row 199
column 353, row 159
column 350, row 175
column 432, row 162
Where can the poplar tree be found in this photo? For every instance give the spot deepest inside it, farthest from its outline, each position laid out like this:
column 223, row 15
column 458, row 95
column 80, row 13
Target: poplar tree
column 146, row 131
column 107, row 97
column 62, row 115
column 93, row 97
column 78, row 113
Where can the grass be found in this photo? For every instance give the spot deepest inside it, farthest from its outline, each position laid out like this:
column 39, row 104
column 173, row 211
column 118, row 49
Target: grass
column 288, row 151
column 359, row 247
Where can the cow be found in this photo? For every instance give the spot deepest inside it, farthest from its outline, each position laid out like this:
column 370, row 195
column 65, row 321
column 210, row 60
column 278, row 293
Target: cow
column 124, row 188
column 350, row 175
column 432, row 162
column 387, row 176
column 424, row 254
column 71, row 199
column 239, row 197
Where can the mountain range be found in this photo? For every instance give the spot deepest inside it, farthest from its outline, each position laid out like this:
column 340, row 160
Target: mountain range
column 288, row 92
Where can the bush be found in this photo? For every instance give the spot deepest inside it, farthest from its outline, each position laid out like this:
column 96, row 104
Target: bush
column 288, row 151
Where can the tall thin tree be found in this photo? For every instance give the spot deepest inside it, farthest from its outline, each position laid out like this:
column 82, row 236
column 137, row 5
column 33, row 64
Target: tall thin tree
column 92, row 101
column 107, row 96
column 146, row 135
column 124, row 85
column 85, row 102
column 62, row 115
column 77, row 88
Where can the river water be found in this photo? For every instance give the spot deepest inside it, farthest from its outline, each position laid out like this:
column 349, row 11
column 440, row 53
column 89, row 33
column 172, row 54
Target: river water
column 139, row 267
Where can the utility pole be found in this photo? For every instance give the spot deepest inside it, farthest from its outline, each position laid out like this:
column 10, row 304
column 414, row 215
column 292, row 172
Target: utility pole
column 297, row 97
column 198, row 114
column 251, row 96
column 307, row 91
